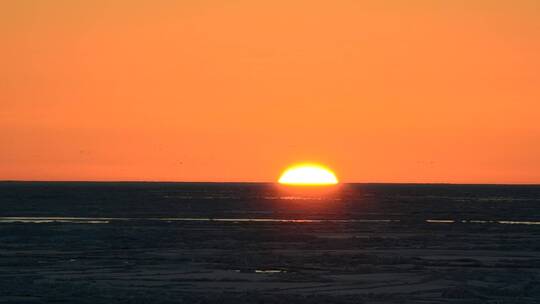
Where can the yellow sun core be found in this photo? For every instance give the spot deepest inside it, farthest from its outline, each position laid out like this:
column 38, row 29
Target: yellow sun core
column 308, row 174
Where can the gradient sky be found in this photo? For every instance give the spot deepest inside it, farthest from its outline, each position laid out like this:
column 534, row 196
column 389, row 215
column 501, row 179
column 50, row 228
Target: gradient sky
column 206, row 90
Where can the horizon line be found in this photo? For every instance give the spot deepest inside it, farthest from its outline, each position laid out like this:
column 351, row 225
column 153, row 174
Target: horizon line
column 259, row 182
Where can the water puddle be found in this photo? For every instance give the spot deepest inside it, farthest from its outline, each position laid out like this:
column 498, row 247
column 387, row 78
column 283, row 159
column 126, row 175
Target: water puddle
column 518, row 223
column 301, row 198
column 269, row 271
column 107, row 220
column 261, row 271
column 46, row 220
column 483, row 222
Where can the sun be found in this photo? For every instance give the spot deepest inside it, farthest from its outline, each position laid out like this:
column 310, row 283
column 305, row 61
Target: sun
column 308, row 174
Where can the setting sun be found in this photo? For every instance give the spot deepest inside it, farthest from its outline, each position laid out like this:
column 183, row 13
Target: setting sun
column 308, row 174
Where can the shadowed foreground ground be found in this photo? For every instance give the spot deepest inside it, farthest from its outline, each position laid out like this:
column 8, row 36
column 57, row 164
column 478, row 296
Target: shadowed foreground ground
column 197, row 262
column 406, row 259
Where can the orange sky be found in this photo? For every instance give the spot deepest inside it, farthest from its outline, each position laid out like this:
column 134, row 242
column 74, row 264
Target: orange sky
column 206, row 90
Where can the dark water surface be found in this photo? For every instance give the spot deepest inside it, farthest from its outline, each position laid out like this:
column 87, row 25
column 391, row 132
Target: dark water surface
column 260, row 243
column 229, row 200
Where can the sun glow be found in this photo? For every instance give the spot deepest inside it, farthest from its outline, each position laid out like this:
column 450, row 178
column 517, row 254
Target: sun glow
column 308, row 174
